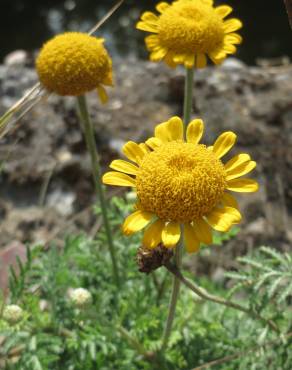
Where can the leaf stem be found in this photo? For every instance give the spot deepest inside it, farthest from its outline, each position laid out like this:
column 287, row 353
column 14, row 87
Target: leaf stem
column 237, row 355
column 87, row 127
column 209, row 297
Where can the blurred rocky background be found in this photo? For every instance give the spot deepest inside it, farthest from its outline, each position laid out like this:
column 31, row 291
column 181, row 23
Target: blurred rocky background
column 45, row 180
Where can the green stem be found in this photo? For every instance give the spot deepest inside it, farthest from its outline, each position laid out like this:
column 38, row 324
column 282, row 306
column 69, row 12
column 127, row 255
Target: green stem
column 96, row 172
column 173, row 299
column 188, row 97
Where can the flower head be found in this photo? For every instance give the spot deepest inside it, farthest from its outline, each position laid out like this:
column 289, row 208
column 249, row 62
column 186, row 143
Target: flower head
column 13, row 314
column 187, row 31
column 182, row 182
column 74, row 63
column 80, row 297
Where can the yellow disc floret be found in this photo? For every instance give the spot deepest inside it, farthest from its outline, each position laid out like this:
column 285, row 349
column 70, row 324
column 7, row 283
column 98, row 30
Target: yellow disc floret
column 74, row 63
column 180, row 182
column 191, row 25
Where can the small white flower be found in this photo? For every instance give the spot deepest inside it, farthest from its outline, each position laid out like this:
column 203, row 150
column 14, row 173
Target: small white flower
column 80, row 297
column 13, row 314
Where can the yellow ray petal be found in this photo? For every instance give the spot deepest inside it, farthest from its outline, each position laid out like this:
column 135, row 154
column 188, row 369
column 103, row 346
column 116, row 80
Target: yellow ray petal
column 179, row 58
column 201, row 61
column 118, row 179
column 228, row 200
column 229, row 48
column 189, row 60
column 152, row 235
column 203, row 231
column 223, row 10
column 161, row 7
column 152, row 41
column 191, row 241
column 153, row 143
column 232, row 25
column 224, row 143
column 241, row 170
column 147, row 26
column 145, row 148
column 102, row 94
column 169, row 60
column 124, row 166
column 158, row 55
column 221, row 219
column 195, row 131
column 217, row 61
column 175, row 128
column 217, row 54
column 149, row 17
column 161, row 132
column 170, row 234
column 133, row 152
column 236, row 161
column 233, row 38
column 136, row 222
column 243, row 185
column 209, row 2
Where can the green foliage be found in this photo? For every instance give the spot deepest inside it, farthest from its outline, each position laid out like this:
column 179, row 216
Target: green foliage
column 266, row 278
column 122, row 328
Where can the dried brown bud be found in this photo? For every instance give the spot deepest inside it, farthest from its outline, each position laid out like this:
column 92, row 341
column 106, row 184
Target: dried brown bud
column 149, row 260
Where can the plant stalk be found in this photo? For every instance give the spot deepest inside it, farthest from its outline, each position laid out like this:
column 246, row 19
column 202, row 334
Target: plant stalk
column 173, row 299
column 188, row 97
column 88, row 131
column 210, row 297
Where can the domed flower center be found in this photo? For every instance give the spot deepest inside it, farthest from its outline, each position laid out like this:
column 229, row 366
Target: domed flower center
column 73, row 63
column 180, row 182
column 192, row 25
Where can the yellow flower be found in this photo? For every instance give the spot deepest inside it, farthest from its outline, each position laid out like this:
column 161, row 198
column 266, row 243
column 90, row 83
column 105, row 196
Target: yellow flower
column 187, row 31
column 181, row 182
column 74, row 63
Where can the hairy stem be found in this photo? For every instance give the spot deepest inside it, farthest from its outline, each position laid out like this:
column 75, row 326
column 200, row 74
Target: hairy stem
column 96, row 173
column 209, row 297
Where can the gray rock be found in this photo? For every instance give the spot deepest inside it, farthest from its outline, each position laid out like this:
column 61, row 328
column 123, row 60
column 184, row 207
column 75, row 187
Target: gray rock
column 17, row 57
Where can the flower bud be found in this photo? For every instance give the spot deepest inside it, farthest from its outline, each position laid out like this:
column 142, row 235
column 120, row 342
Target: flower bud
column 13, row 314
column 149, row 260
column 80, row 297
